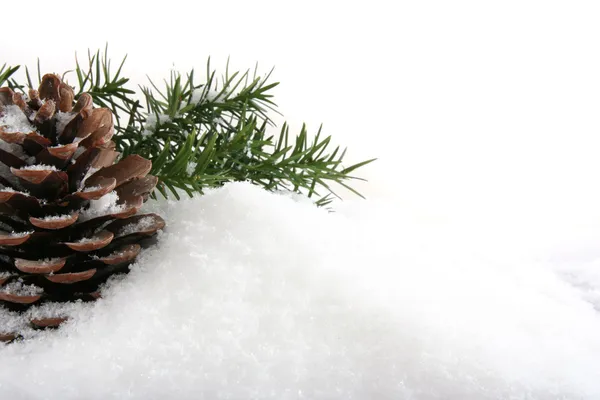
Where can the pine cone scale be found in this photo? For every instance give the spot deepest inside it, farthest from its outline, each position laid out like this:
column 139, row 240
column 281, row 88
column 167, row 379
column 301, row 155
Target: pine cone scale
column 102, row 187
column 96, row 242
column 71, row 277
column 40, row 267
column 47, row 322
column 19, row 298
column 129, row 168
column 11, row 160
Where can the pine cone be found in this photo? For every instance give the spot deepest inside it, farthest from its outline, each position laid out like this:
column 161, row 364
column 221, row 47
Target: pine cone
column 67, row 211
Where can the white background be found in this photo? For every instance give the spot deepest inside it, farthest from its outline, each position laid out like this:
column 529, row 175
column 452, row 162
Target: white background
column 479, row 280
column 473, row 108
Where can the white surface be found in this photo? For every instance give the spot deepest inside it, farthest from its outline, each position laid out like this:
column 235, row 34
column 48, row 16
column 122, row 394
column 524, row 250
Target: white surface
column 485, row 120
column 470, row 106
column 257, row 295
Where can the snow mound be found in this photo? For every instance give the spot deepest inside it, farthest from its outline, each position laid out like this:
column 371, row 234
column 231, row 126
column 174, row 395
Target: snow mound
column 255, row 295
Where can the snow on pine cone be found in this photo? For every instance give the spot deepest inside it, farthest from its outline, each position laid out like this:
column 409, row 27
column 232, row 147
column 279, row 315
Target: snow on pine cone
column 67, row 210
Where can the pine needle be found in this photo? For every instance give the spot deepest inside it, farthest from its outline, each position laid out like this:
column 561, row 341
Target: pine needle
column 204, row 134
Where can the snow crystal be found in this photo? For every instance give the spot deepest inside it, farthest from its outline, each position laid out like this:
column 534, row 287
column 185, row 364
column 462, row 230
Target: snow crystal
column 54, row 310
column 58, row 146
column 215, row 96
column 20, row 234
column 254, row 295
column 39, row 167
column 116, row 253
column 19, row 288
column 11, row 190
column 190, row 168
column 105, row 205
column 197, row 96
column 56, row 217
column 62, row 119
column 248, row 148
column 139, row 226
column 47, row 261
column 202, row 95
column 12, row 120
column 152, row 120
column 91, row 188
column 87, row 240
column 11, row 321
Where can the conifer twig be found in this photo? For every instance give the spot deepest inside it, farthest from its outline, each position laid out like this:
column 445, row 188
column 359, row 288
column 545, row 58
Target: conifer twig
column 203, row 134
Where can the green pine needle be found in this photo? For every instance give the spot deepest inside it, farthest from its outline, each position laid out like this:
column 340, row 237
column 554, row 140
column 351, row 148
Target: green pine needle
column 204, row 134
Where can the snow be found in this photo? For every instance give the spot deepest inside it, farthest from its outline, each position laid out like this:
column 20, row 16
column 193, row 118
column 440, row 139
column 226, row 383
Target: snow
column 190, row 168
column 11, row 190
column 87, row 240
column 18, row 287
column 57, row 217
column 250, row 294
column 39, row 167
column 47, row 261
column 105, row 205
column 91, row 189
column 152, row 121
column 20, row 234
column 54, row 310
column 13, row 120
column 201, row 95
column 12, row 321
column 197, row 96
column 62, row 119
column 139, row 226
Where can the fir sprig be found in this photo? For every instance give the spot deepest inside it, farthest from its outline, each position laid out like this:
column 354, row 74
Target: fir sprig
column 203, row 134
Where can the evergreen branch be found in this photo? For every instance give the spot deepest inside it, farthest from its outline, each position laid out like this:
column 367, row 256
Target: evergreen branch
column 202, row 135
